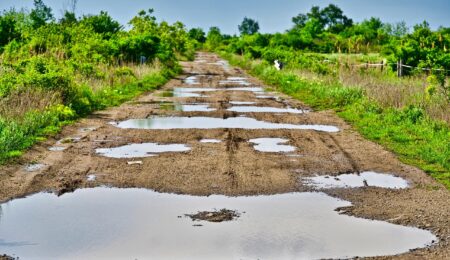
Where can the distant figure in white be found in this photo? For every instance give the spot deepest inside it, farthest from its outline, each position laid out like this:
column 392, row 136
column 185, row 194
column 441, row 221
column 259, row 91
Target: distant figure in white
column 279, row 65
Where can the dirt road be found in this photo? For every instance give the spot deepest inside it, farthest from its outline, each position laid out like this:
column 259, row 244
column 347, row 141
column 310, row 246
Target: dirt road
column 232, row 166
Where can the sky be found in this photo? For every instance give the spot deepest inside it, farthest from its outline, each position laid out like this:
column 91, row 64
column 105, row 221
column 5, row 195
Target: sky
column 272, row 15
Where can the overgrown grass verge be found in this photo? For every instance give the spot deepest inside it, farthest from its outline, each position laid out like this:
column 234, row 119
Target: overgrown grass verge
column 408, row 131
column 18, row 134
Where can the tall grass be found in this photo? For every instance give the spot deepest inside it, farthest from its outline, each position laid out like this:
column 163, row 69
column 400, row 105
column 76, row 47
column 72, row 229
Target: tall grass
column 28, row 114
column 399, row 123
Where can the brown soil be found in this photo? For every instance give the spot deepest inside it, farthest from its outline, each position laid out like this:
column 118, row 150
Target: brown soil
column 233, row 167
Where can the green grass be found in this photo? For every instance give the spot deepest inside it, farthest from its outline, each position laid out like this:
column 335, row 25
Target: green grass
column 18, row 135
column 408, row 132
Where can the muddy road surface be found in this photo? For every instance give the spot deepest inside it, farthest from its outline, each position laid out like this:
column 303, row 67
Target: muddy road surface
column 217, row 131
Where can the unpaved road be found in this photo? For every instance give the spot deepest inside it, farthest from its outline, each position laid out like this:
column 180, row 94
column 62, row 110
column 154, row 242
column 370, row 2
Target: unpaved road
column 232, row 167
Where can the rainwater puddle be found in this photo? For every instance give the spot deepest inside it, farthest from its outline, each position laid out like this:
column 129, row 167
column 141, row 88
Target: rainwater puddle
column 108, row 223
column 141, row 150
column 213, row 123
column 241, row 103
column 256, row 109
column 265, row 97
column 33, row 167
column 192, row 80
column 57, row 148
column 235, row 81
column 274, row 145
column 91, row 177
column 196, row 92
column 195, row 108
column 211, row 141
column 354, row 181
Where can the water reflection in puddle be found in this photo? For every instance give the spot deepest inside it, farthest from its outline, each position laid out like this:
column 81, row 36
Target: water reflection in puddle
column 354, row 181
column 141, row 150
column 212, row 141
column 192, row 80
column 275, row 145
column 211, row 123
column 33, row 167
column 242, row 103
column 104, row 223
column 57, row 148
column 256, row 109
column 194, row 108
column 91, row 177
column 196, row 92
column 235, row 81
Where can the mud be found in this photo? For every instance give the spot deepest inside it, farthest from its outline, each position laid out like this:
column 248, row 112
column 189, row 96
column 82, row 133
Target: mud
column 233, row 167
column 215, row 216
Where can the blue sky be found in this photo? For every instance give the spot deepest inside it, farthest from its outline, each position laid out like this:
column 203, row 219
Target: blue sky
column 272, row 15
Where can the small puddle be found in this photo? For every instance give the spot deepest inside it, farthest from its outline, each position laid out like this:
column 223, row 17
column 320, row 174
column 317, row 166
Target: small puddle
column 372, row 179
column 238, row 103
column 108, row 223
column 141, row 150
column 211, row 141
column 256, row 109
column 91, row 177
column 265, row 97
column 194, row 108
column 235, row 81
column 57, row 148
column 196, row 92
column 213, row 123
column 33, row 167
column 274, row 145
column 192, row 80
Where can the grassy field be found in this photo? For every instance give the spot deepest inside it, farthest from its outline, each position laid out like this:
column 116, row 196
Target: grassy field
column 408, row 130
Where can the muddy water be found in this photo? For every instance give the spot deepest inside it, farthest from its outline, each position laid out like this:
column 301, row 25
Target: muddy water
column 105, row 223
column 141, row 150
column 274, row 145
column 211, row 123
column 354, row 181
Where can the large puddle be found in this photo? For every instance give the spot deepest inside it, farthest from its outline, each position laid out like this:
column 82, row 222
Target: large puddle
column 104, row 223
column 354, row 181
column 141, row 150
column 211, row 123
column 274, row 145
column 256, row 109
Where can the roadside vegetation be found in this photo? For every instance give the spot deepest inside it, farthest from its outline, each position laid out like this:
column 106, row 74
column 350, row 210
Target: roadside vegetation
column 330, row 62
column 53, row 72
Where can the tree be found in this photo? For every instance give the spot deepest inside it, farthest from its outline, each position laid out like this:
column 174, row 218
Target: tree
column 214, row 38
column 300, row 20
column 8, row 29
column 68, row 18
column 41, row 14
column 248, row 26
column 102, row 24
column 197, row 34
